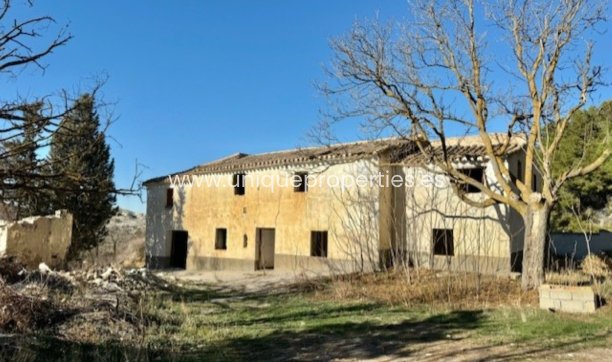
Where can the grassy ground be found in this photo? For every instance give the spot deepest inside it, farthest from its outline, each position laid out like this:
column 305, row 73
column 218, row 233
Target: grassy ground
column 198, row 322
column 304, row 327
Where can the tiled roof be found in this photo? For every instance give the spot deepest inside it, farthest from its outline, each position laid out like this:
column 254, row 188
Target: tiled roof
column 398, row 151
column 462, row 149
column 336, row 153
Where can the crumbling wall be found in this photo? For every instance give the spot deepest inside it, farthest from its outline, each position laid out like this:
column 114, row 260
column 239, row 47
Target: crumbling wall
column 38, row 239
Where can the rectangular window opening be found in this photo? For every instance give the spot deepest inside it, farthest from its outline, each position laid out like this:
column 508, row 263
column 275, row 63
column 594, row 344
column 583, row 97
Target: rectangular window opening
column 169, row 198
column 239, row 184
column 477, row 174
column 519, row 171
column 221, row 239
column 443, row 243
column 318, row 244
column 300, row 182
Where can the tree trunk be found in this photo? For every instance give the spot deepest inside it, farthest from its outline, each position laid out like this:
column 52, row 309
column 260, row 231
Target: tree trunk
column 536, row 227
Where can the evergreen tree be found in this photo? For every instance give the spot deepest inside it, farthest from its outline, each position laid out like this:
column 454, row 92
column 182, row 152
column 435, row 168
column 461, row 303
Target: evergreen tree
column 80, row 154
column 588, row 133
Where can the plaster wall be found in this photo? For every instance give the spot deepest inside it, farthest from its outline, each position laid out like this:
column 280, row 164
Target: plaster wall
column 350, row 215
column 38, row 239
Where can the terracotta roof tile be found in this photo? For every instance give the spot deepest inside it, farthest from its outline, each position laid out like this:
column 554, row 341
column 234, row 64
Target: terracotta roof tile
column 465, row 148
column 398, row 151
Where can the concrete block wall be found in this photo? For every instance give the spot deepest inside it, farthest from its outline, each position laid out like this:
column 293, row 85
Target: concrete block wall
column 569, row 299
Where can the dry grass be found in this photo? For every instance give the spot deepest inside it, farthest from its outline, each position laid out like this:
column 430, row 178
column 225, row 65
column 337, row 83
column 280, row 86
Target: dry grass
column 424, row 287
column 568, row 277
column 597, row 266
column 23, row 313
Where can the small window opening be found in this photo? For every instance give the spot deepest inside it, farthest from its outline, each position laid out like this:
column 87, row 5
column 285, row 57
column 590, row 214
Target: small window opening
column 300, row 182
column 477, row 174
column 519, row 171
column 443, row 243
column 221, row 239
column 239, row 184
column 318, row 244
column 169, row 198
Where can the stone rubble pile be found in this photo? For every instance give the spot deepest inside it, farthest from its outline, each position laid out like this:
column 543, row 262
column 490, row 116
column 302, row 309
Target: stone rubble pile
column 77, row 304
column 109, row 279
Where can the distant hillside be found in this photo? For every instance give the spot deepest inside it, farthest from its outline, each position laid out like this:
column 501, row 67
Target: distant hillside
column 124, row 245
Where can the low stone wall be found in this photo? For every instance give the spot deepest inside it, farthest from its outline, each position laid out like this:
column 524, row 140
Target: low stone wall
column 568, row 298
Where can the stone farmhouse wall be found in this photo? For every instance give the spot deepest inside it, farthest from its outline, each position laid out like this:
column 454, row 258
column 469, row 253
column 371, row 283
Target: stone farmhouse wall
column 349, row 216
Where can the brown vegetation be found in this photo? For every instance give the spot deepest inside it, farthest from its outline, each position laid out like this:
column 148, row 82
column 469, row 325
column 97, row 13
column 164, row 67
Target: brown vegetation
column 436, row 289
column 84, row 306
column 597, row 266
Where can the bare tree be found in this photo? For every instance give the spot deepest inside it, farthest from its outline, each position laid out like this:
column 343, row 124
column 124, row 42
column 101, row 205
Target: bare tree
column 436, row 73
column 25, row 125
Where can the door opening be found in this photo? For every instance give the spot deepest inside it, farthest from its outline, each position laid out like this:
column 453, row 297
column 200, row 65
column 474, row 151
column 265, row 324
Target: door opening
column 178, row 253
column 264, row 250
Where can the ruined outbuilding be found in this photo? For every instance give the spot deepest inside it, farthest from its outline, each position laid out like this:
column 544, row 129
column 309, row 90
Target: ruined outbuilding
column 37, row 239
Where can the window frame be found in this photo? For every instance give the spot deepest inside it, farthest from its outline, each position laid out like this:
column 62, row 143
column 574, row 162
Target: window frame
column 239, row 183
column 169, row 197
column 444, row 240
column 319, row 243
column 303, row 182
column 519, row 170
column 221, row 239
column 466, row 187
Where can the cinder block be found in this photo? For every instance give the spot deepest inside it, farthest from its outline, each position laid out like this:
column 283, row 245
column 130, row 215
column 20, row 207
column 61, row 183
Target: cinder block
column 547, row 303
column 567, row 299
column 575, row 306
column 589, row 307
column 561, row 294
column 585, row 295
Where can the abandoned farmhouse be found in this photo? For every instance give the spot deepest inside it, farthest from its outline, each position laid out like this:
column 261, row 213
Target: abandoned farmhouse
column 221, row 215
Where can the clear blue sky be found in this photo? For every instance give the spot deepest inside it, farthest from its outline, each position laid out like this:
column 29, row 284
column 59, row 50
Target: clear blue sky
column 197, row 80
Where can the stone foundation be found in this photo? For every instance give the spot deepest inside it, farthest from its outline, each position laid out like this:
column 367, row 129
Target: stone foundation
column 310, row 263
column 213, row 263
column 568, row 299
column 281, row 262
column 157, row 262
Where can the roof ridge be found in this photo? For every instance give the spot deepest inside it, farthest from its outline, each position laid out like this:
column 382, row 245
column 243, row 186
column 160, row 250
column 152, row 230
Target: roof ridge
column 336, row 151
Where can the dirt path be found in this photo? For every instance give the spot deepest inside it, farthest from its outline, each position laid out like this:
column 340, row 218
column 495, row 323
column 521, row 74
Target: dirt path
column 266, row 281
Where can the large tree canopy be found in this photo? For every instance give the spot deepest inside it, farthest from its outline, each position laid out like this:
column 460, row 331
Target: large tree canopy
column 79, row 152
column 579, row 197
column 438, row 71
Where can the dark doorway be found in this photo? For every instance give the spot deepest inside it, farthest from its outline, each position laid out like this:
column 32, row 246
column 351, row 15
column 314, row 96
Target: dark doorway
column 516, row 262
column 178, row 254
column 264, row 251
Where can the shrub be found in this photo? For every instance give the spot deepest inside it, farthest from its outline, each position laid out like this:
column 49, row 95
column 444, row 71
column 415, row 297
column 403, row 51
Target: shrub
column 597, row 266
